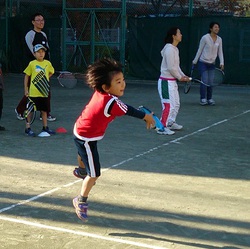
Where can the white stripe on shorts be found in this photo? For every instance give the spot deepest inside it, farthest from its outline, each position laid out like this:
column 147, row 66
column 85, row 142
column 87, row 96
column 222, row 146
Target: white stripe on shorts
column 90, row 159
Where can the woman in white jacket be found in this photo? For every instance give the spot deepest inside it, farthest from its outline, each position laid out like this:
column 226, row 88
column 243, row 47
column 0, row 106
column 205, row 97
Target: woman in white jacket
column 167, row 83
column 210, row 47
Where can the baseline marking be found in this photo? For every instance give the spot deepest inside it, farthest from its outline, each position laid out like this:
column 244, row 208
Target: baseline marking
column 64, row 230
column 177, row 140
column 37, row 196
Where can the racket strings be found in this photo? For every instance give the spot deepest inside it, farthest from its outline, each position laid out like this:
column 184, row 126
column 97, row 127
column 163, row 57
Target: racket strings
column 67, row 80
column 30, row 112
column 211, row 78
column 208, row 78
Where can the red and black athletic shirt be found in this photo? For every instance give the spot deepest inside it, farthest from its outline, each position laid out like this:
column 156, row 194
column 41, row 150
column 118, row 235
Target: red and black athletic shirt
column 102, row 109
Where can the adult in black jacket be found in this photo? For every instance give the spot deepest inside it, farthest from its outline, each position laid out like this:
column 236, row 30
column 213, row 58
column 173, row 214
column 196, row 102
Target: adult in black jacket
column 32, row 38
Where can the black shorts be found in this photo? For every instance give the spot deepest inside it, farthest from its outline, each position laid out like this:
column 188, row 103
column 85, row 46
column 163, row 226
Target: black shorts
column 41, row 103
column 89, row 155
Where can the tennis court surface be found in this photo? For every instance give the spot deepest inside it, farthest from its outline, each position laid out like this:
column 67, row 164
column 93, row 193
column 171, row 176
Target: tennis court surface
column 189, row 190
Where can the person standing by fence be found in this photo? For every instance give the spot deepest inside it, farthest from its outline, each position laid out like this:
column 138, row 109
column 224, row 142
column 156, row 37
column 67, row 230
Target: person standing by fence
column 209, row 48
column 32, row 38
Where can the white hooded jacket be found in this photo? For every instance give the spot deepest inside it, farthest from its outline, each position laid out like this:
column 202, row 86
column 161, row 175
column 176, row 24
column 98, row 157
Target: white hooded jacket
column 170, row 65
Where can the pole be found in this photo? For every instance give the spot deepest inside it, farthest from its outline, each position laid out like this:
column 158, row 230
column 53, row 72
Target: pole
column 7, row 34
column 123, row 32
column 92, row 38
column 190, row 9
column 63, row 34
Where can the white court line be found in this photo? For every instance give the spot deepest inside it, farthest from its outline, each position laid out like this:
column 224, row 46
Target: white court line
column 37, row 196
column 64, row 230
column 177, row 140
column 113, row 166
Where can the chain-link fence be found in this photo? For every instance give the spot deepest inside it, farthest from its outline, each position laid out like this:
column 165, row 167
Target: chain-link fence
column 175, row 8
column 81, row 31
column 15, row 22
column 92, row 30
column 134, row 7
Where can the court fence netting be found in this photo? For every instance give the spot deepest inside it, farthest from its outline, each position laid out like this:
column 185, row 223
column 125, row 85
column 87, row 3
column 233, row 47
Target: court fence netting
column 80, row 32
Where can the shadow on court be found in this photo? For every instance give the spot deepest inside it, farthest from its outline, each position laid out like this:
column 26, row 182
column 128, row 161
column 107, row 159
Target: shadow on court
column 189, row 190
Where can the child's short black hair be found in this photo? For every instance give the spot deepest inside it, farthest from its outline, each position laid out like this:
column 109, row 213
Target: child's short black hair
column 101, row 73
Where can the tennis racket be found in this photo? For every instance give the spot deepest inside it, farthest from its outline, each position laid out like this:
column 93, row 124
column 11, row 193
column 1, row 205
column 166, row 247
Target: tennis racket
column 158, row 124
column 188, row 84
column 211, row 78
column 67, row 79
column 30, row 111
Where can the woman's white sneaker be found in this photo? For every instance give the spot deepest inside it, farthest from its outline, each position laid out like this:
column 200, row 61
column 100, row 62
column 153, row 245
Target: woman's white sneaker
column 166, row 131
column 203, row 102
column 211, row 102
column 175, row 126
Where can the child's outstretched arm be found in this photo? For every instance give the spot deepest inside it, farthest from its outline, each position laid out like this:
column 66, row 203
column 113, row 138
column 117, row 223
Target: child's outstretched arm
column 150, row 122
column 148, row 118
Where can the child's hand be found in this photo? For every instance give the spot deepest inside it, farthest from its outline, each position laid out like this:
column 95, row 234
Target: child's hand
column 26, row 93
column 149, row 120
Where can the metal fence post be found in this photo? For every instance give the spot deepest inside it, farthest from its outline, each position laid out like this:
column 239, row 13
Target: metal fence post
column 190, row 8
column 123, row 32
column 63, row 34
column 92, row 40
column 7, row 33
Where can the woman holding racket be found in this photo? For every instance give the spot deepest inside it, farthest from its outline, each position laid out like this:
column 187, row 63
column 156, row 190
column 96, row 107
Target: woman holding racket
column 167, row 83
column 209, row 48
column 106, row 78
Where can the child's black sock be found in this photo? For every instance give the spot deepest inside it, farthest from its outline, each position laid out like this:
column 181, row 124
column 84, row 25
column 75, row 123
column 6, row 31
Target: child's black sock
column 82, row 199
column 82, row 171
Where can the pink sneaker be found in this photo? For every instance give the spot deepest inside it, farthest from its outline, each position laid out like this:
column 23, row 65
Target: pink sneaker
column 81, row 209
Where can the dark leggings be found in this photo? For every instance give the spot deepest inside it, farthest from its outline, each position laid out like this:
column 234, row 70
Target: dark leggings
column 207, row 73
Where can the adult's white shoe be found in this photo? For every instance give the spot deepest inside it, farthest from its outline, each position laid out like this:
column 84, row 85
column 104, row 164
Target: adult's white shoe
column 211, row 102
column 175, row 126
column 166, row 131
